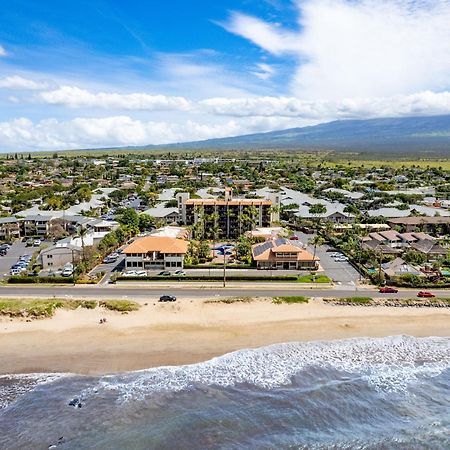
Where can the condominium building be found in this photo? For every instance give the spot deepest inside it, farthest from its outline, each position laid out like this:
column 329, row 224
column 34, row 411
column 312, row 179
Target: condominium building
column 228, row 217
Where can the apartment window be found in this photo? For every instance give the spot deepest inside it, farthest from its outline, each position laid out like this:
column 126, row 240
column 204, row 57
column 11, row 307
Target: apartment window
column 49, row 256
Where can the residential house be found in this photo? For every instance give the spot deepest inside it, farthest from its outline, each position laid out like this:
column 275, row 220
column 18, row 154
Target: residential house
column 58, row 255
column 9, row 228
column 281, row 253
column 156, row 252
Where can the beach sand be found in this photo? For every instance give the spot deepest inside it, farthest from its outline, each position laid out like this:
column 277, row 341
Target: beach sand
column 191, row 331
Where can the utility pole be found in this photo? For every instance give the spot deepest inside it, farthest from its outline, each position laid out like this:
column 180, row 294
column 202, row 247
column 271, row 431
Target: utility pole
column 224, row 267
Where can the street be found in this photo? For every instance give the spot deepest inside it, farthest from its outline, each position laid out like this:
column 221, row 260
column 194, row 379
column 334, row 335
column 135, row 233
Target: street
column 149, row 291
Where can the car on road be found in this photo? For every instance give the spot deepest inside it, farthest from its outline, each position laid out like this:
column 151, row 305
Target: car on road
column 179, row 273
column 113, row 257
column 164, row 273
column 388, row 290
column 167, row 298
column 425, row 294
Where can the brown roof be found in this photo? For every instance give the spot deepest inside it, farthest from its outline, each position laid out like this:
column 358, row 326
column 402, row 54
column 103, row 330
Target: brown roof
column 161, row 244
column 267, row 251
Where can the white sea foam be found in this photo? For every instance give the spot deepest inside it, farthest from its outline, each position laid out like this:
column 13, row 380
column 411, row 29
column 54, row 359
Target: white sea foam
column 13, row 386
column 389, row 364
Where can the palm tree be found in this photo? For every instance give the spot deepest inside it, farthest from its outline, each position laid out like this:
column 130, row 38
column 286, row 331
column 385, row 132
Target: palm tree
column 316, row 240
column 82, row 232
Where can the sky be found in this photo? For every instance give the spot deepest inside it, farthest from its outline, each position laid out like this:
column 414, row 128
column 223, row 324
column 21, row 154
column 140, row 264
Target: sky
column 101, row 73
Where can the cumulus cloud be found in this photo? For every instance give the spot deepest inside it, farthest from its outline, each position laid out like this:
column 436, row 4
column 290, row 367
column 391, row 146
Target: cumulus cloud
column 118, row 131
column 360, row 48
column 424, row 103
column 20, row 83
column 75, row 97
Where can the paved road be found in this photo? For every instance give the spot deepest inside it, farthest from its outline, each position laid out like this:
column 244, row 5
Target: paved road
column 149, row 292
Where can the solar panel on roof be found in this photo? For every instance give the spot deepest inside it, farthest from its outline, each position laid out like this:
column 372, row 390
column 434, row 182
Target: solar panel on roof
column 260, row 249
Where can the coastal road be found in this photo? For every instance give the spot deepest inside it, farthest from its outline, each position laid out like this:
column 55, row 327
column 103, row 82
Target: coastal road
column 153, row 292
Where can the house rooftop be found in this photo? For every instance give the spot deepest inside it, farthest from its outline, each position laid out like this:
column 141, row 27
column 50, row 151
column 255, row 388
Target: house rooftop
column 162, row 244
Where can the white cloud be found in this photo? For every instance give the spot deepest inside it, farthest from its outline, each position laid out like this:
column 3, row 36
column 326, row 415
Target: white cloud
column 20, row 83
column 119, row 131
column 360, row 48
column 264, row 71
column 3, row 51
column 75, row 97
column 424, row 103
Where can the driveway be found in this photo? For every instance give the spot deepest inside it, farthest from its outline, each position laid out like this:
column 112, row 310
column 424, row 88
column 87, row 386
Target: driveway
column 109, row 269
column 340, row 272
column 18, row 249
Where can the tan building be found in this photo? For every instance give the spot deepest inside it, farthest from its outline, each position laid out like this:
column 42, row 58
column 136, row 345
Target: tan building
column 284, row 254
column 59, row 255
column 9, row 228
column 156, row 252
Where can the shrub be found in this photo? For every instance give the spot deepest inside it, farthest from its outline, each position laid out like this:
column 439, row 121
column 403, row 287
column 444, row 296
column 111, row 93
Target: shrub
column 120, row 305
column 290, row 299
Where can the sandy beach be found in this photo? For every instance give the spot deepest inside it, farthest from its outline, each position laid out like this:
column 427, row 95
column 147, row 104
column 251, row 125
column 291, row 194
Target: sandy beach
column 190, row 331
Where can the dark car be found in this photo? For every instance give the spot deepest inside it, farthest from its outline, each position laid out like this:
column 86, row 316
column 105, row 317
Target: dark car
column 425, row 294
column 294, row 238
column 164, row 273
column 167, row 298
column 388, row 290
column 3, row 252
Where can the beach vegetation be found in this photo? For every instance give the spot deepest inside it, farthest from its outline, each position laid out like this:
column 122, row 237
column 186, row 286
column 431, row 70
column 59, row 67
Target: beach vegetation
column 290, row 299
column 123, row 306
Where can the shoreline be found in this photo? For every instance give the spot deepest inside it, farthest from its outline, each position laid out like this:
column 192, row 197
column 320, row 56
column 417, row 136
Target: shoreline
column 191, row 331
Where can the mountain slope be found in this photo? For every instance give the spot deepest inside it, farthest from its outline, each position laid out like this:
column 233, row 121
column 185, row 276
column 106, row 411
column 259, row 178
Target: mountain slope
column 406, row 133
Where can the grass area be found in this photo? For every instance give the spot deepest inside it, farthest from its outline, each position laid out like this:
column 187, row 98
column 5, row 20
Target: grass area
column 38, row 308
column 290, row 299
column 313, row 279
column 232, row 300
column 43, row 308
column 120, row 305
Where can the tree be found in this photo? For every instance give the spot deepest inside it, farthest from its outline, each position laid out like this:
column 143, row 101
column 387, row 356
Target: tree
column 315, row 241
column 145, row 222
column 414, row 257
column 129, row 217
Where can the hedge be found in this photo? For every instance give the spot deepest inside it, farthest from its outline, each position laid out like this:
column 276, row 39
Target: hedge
column 293, row 278
column 218, row 266
column 16, row 279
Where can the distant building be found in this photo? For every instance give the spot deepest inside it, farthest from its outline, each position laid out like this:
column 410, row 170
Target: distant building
column 230, row 217
column 9, row 228
column 59, row 255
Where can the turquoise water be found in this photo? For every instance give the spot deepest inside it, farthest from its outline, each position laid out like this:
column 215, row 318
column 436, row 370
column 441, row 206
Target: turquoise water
column 390, row 393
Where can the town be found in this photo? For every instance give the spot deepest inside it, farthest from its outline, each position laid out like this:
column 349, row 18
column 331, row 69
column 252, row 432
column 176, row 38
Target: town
column 102, row 219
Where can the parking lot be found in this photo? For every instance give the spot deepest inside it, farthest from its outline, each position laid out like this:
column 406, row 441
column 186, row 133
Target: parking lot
column 109, row 269
column 340, row 272
column 17, row 249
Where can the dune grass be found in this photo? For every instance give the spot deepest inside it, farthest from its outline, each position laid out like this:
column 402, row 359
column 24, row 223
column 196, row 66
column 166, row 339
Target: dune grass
column 232, row 300
column 120, row 305
column 290, row 299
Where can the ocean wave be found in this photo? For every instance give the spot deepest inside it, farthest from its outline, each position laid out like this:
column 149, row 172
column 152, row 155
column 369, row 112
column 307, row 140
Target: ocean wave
column 388, row 364
column 13, row 386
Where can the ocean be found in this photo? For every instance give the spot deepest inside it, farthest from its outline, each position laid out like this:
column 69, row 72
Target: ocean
column 364, row 393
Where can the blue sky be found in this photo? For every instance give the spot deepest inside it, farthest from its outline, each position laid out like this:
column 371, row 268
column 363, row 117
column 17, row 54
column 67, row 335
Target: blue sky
column 108, row 72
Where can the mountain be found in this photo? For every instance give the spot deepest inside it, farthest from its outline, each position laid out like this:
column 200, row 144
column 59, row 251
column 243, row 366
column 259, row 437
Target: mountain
column 430, row 134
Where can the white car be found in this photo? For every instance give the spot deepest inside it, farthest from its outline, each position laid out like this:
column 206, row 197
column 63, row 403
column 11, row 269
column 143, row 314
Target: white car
column 129, row 273
column 15, row 271
column 141, row 273
column 68, row 272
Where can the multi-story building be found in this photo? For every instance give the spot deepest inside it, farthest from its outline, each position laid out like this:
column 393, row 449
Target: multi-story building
column 226, row 218
column 156, row 252
column 9, row 228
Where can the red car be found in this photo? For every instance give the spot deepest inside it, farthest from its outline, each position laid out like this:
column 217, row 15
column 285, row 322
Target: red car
column 294, row 238
column 388, row 290
column 425, row 294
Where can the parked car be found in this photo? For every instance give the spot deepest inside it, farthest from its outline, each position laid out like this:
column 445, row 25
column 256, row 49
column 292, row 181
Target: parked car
column 67, row 272
column 167, row 298
column 37, row 242
column 15, row 271
column 3, row 252
column 179, row 273
column 129, row 273
column 425, row 294
column 388, row 290
column 141, row 273
column 110, row 258
column 164, row 273
column 294, row 238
